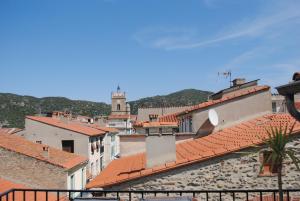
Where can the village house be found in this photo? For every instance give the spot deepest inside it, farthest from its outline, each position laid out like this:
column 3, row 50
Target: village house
column 194, row 121
column 163, row 125
column 216, row 161
column 89, row 140
column 242, row 101
column 227, row 155
column 40, row 166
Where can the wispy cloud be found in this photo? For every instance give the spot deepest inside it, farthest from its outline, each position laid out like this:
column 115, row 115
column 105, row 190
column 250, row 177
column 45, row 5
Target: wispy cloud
column 280, row 73
column 264, row 24
column 164, row 37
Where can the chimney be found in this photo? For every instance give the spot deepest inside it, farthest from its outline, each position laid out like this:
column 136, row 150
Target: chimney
column 238, row 81
column 160, row 149
column 45, row 152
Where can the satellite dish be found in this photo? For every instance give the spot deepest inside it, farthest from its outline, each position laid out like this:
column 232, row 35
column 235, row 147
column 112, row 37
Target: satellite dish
column 213, row 117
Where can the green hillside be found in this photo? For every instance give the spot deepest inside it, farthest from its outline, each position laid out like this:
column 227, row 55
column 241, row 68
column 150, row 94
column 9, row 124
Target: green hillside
column 14, row 108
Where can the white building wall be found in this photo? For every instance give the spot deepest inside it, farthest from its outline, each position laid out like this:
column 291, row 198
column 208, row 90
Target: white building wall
column 53, row 136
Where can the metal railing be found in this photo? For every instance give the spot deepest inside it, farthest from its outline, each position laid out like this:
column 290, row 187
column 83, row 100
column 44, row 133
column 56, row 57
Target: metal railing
column 193, row 195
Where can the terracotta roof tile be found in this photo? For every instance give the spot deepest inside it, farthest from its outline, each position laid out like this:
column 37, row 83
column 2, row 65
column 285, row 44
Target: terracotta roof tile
column 169, row 118
column 105, row 129
column 72, row 126
column 230, row 97
column 122, row 116
column 6, row 185
column 10, row 130
column 25, row 147
column 147, row 124
column 219, row 143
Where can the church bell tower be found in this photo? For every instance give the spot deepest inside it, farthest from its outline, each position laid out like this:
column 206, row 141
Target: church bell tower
column 118, row 103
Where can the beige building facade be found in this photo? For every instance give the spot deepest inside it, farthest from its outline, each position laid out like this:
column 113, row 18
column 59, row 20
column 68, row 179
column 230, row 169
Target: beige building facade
column 80, row 139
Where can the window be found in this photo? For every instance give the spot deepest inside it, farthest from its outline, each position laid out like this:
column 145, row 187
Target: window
column 93, row 147
column 190, row 124
column 118, row 107
column 68, row 145
column 147, row 130
column 112, row 152
column 267, row 168
column 274, row 108
column 82, row 178
column 72, row 182
column 98, row 166
column 72, row 185
column 160, row 131
column 113, row 138
column 92, row 169
column 39, row 142
column 101, row 163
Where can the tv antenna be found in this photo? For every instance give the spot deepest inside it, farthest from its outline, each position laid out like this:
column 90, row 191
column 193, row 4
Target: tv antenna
column 226, row 74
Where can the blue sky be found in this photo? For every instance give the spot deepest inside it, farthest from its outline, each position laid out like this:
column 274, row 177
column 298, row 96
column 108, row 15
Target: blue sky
column 82, row 49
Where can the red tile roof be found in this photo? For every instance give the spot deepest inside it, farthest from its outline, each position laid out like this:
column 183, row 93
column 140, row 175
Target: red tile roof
column 25, row 147
column 6, row 185
column 72, row 126
column 105, row 129
column 159, row 124
column 10, row 130
column 169, row 118
column 147, row 124
column 243, row 135
column 234, row 95
column 122, row 116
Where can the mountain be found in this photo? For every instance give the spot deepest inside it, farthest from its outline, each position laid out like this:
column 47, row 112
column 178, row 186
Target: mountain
column 180, row 98
column 14, row 108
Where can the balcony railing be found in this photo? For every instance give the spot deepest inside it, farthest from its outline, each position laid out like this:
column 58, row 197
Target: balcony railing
column 193, row 195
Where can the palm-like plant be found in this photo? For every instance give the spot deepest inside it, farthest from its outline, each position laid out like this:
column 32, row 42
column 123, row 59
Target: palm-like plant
column 276, row 141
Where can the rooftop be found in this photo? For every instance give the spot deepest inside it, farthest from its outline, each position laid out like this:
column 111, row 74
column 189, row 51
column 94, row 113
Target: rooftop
column 228, row 140
column 10, row 130
column 72, row 126
column 6, row 185
column 233, row 96
column 122, row 116
column 169, row 118
column 56, row 157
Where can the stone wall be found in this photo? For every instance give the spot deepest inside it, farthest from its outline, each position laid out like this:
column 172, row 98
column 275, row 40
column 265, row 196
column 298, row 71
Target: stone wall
column 30, row 171
column 232, row 171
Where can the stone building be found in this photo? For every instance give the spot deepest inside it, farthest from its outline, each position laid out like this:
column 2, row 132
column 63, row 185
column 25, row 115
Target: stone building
column 120, row 117
column 40, row 166
column 227, row 159
column 225, row 155
column 89, row 140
